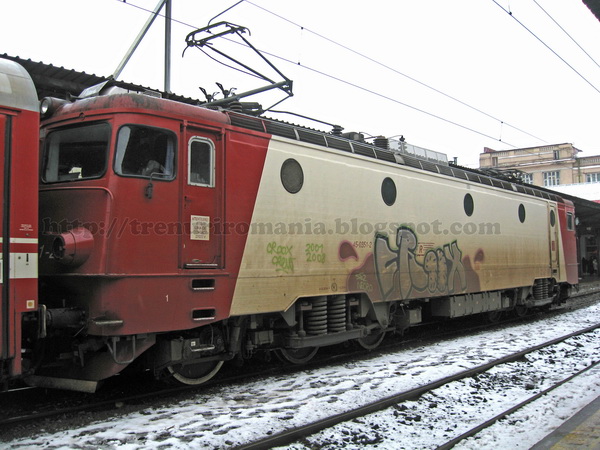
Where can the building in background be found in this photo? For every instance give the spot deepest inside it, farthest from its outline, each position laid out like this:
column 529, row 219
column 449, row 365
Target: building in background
column 555, row 167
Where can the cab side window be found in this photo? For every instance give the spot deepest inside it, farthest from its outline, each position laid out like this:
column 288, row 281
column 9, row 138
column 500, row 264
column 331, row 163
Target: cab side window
column 570, row 222
column 145, row 152
column 201, row 162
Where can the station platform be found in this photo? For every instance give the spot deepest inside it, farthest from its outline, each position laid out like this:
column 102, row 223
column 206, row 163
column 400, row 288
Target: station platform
column 589, row 284
column 582, row 431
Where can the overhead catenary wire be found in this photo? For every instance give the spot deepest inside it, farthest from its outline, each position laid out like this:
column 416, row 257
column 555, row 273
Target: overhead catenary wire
column 387, row 97
column 396, row 71
column 225, row 10
column 564, row 31
column 510, row 13
column 368, row 90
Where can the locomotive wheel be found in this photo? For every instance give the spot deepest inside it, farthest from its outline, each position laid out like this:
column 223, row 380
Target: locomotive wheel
column 520, row 310
column 371, row 341
column 494, row 316
column 296, row 355
column 193, row 374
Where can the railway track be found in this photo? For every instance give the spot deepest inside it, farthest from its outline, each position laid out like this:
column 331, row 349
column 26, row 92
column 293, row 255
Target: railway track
column 39, row 404
column 300, row 433
column 120, row 400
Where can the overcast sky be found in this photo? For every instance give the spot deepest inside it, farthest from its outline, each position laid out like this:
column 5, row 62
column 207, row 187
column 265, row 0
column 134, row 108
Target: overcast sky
column 360, row 64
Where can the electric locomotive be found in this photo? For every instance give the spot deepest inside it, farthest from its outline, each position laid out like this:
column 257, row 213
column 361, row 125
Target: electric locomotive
column 177, row 237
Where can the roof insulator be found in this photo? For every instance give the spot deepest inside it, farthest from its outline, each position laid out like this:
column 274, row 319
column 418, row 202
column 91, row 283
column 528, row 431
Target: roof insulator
column 337, row 130
column 382, row 142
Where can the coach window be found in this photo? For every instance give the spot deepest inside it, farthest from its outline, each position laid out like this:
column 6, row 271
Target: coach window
column 145, row 152
column 201, row 162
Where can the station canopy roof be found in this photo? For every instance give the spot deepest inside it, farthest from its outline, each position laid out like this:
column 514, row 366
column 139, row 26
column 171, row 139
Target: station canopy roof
column 586, row 211
column 53, row 81
column 594, row 6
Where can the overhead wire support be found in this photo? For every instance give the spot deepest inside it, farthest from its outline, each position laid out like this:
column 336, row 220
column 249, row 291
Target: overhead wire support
column 138, row 39
column 547, row 46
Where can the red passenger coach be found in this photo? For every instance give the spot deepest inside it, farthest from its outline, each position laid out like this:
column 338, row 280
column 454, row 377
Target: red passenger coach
column 19, row 141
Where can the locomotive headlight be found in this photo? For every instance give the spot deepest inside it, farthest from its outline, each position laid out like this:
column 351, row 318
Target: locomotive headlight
column 73, row 248
column 44, row 106
column 49, row 105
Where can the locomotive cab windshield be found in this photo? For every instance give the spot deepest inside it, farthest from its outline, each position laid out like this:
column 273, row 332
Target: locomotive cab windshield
column 81, row 152
column 76, row 153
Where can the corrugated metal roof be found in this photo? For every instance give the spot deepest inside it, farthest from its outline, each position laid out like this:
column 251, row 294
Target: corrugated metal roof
column 53, row 81
column 594, row 6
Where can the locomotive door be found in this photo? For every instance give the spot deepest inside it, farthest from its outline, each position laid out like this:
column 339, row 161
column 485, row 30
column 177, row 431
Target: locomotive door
column 202, row 246
column 553, row 231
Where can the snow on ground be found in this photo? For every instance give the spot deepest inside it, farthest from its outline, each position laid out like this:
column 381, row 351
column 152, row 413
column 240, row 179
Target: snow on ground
column 455, row 408
column 232, row 415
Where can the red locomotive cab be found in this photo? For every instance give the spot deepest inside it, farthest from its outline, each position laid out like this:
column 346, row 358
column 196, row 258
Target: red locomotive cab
column 131, row 198
column 19, row 140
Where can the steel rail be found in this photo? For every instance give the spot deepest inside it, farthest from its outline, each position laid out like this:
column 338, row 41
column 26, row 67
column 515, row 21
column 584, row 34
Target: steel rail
column 493, row 420
column 316, row 363
column 289, row 436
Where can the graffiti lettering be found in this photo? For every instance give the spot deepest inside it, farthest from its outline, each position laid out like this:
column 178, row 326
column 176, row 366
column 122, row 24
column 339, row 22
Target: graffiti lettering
column 456, row 270
column 399, row 271
column 273, row 248
column 282, row 257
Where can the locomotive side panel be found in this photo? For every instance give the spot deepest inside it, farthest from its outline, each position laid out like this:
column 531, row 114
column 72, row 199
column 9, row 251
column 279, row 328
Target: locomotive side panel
column 338, row 233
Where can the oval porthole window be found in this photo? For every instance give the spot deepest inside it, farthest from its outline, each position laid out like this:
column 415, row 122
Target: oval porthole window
column 292, row 176
column 552, row 218
column 388, row 191
column 521, row 213
column 469, row 205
